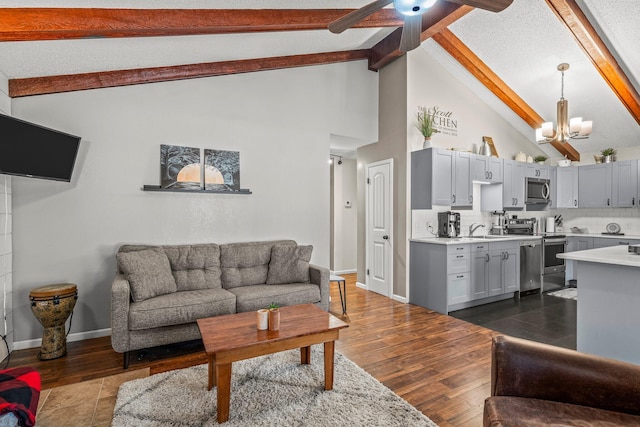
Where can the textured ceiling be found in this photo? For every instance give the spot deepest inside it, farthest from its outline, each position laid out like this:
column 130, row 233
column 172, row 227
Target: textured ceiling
column 523, row 45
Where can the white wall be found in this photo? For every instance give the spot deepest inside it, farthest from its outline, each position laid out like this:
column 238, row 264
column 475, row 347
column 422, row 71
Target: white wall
column 279, row 121
column 345, row 217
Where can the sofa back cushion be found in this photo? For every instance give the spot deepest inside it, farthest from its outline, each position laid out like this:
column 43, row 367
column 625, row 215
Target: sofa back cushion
column 246, row 264
column 148, row 272
column 195, row 267
column 289, row 264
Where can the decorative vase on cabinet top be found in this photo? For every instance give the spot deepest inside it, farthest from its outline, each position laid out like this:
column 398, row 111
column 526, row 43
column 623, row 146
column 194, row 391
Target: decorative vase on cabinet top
column 521, row 157
column 427, row 142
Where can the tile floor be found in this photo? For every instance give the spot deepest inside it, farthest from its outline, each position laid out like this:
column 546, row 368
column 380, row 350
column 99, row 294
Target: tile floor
column 86, row 404
column 537, row 317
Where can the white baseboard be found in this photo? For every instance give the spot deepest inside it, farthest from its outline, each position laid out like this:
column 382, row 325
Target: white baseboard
column 339, row 272
column 399, row 299
column 79, row 336
column 362, row 285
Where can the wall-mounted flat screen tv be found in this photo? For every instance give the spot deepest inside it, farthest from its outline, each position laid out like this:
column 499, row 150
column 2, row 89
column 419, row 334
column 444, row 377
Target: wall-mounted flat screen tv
column 34, row 151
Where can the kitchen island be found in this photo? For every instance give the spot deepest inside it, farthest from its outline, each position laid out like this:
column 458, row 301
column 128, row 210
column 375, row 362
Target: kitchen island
column 608, row 302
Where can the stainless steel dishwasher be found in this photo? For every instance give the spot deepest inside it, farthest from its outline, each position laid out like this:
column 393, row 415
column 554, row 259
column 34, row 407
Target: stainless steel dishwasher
column 530, row 265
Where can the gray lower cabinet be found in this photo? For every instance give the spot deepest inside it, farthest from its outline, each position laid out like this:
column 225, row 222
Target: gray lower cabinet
column 604, row 242
column 450, row 277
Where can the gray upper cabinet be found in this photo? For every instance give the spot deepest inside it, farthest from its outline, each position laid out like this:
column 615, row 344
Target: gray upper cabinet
column 486, row 169
column 534, row 170
column 463, row 190
column 513, row 186
column 594, row 186
column 625, row 183
column 567, row 187
column 440, row 177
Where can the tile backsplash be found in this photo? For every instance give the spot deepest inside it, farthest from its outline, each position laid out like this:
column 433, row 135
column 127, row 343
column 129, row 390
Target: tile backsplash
column 594, row 220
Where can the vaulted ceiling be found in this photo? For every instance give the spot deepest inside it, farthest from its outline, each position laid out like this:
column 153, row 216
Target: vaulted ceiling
column 508, row 58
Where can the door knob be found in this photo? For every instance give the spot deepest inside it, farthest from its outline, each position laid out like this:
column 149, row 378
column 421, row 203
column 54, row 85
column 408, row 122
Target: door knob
column 385, row 237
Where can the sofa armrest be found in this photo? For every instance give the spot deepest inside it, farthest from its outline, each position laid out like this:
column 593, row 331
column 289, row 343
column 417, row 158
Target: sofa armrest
column 120, row 300
column 529, row 369
column 320, row 276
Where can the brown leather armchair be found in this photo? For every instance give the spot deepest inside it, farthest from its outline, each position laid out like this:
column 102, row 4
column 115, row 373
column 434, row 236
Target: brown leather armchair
column 535, row 384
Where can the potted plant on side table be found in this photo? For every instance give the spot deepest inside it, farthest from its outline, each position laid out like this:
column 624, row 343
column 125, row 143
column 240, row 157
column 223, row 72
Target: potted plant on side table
column 424, row 122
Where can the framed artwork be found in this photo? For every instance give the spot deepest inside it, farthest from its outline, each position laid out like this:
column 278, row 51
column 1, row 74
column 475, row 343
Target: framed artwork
column 221, row 170
column 180, row 167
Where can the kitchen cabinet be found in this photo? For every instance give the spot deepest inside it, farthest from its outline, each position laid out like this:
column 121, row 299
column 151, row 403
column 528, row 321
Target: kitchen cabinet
column 567, row 187
column 534, row 170
column 440, row 177
column 625, row 183
column 486, row 169
column 494, row 269
column 594, row 185
column 553, row 187
column 604, row 242
column 513, row 185
column 446, row 277
column 479, row 271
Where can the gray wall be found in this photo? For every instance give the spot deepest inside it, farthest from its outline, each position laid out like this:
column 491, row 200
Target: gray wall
column 279, row 121
column 391, row 145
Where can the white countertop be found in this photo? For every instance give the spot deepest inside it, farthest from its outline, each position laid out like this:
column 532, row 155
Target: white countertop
column 479, row 239
column 615, row 255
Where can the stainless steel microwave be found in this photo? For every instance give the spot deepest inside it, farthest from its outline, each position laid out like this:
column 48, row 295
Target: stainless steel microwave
column 536, row 190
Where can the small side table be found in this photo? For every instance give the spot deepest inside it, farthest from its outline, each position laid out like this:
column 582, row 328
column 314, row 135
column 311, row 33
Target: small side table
column 342, row 287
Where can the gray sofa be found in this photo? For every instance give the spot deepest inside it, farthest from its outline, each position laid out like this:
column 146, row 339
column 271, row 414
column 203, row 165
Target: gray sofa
column 160, row 291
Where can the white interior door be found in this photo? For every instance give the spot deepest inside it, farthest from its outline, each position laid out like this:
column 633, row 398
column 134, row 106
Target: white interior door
column 379, row 226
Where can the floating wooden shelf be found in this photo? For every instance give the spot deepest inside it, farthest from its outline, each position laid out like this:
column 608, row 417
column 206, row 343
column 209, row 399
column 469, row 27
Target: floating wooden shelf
column 185, row 190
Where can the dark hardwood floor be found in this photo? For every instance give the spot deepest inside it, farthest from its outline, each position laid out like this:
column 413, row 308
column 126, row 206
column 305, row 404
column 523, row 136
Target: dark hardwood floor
column 439, row 364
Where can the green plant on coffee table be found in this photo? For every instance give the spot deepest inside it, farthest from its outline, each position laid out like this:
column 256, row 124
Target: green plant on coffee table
column 273, row 306
column 424, row 121
column 608, row 151
column 540, row 158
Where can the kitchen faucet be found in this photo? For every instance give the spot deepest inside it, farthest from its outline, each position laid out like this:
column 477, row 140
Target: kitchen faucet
column 473, row 227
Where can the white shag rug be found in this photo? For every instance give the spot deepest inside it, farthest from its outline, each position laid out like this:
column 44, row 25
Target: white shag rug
column 568, row 293
column 272, row 390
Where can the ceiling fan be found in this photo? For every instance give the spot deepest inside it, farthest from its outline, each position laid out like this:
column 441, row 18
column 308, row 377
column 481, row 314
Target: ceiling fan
column 412, row 10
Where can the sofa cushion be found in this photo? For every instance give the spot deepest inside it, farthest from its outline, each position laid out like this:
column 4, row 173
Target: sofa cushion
column 195, row 266
column 506, row 411
column 250, row 298
column 148, row 272
column 180, row 308
column 289, row 264
column 246, row 264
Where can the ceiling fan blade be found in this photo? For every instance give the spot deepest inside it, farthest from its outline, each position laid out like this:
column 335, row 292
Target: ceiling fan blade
column 351, row 19
column 490, row 5
column 411, row 33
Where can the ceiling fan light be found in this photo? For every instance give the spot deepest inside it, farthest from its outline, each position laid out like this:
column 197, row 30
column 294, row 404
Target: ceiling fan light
column 412, row 7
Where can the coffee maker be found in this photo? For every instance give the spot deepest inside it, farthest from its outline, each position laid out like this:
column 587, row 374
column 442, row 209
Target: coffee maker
column 448, row 224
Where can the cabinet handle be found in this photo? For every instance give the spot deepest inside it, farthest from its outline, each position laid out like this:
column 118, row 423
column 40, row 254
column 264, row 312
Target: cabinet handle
column 486, row 175
column 516, row 201
column 506, row 254
column 487, row 258
column 490, row 175
column 608, row 202
column 471, row 198
column 460, row 276
column 459, row 256
column 575, row 202
column 454, row 198
column 459, row 249
column 633, row 201
column 623, row 243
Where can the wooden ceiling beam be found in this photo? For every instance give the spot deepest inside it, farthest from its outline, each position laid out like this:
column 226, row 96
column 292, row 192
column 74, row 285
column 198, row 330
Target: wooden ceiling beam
column 27, row 24
column 439, row 17
column 469, row 60
column 74, row 82
column 587, row 37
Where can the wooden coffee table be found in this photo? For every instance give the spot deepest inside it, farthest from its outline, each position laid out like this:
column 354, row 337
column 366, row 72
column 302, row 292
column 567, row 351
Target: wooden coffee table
column 234, row 337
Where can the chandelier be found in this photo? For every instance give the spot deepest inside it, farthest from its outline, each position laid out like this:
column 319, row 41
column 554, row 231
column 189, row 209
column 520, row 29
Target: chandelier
column 567, row 129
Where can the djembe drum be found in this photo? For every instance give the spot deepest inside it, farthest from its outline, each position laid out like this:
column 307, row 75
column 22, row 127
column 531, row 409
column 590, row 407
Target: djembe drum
column 52, row 305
